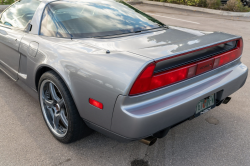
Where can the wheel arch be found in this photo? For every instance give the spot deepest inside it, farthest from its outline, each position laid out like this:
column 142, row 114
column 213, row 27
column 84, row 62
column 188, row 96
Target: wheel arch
column 40, row 71
column 45, row 68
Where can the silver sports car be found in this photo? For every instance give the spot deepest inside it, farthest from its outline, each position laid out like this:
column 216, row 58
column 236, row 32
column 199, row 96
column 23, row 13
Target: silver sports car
column 107, row 66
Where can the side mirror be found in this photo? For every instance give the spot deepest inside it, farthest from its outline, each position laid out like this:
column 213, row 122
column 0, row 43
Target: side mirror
column 28, row 27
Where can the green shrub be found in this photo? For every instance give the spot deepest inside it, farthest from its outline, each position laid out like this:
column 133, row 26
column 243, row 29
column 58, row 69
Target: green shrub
column 232, row 5
column 236, row 6
column 6, row 2
column 214, row 4
column 202, row 3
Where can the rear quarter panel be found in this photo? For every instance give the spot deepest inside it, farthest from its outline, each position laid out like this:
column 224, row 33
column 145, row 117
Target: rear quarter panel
column 87, row 71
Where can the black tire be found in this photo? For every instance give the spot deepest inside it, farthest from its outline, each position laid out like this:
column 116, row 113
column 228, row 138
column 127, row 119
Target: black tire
column 77, row 128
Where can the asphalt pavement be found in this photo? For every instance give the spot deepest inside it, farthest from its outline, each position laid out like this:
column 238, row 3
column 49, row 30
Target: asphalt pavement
column 220, row 137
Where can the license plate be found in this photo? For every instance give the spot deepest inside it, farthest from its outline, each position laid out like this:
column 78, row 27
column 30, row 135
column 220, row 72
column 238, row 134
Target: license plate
column 205, row 105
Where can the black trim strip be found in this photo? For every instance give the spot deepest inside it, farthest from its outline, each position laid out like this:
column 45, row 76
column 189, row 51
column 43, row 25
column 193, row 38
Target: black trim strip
column 194, row 57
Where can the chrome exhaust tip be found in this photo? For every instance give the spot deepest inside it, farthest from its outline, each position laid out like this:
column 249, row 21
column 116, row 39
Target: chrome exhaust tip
column 149, row 140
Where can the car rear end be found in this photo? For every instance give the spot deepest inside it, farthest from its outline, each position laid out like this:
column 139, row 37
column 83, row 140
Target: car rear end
column 171, row 89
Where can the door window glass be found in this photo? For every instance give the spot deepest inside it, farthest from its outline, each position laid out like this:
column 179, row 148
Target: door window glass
column 19, row 14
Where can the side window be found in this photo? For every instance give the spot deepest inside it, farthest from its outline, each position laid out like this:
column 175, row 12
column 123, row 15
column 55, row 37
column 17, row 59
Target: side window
column 51, row 25
column 19, row 14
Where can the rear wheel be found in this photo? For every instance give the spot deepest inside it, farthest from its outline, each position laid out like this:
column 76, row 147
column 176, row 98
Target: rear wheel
column 59, row 110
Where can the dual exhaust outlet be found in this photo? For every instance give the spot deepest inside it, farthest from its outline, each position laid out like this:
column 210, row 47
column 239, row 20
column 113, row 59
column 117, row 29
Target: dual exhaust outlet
column 151, row 140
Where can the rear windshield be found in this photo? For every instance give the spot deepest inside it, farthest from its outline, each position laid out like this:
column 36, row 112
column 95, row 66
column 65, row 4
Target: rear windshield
column 94, row 18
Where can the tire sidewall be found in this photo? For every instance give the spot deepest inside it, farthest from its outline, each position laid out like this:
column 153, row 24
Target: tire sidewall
column 51, row 77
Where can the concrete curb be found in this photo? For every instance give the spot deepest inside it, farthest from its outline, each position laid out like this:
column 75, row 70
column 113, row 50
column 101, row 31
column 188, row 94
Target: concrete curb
column 212, row 11
column 3, row 7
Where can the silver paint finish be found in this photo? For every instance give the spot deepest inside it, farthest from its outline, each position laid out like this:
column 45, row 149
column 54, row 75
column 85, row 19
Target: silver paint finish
column 9, row 44
column 141, row 116
column 36, row 20
column 162, row 44
column 89, row 72
column 33, row 48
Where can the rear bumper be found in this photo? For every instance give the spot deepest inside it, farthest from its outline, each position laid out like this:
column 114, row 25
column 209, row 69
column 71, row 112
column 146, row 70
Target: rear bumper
column 137, row 117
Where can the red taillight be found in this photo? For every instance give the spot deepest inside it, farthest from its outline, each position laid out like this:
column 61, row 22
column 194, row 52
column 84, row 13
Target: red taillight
column 148, row 81
column 142, row 83
column 229, row 56
column 168, row 78
column 96, row 103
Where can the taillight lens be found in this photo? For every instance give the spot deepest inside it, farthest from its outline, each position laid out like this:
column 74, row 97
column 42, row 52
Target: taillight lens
column 229, row 56
column 168, row 78
column 148, row 81
column 142, row 83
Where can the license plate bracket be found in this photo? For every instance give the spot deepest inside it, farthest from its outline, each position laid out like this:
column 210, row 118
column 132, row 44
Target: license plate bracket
column 205, row 105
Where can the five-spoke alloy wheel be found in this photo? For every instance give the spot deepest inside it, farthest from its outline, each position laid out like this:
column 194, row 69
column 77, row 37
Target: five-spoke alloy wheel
column 53, row 108
column 59, row 109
